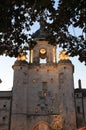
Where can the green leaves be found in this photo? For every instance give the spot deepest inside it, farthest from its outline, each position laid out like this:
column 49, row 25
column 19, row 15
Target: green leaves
column 17, row 17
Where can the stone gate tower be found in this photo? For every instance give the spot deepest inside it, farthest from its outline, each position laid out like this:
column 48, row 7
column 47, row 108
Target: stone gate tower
column 43, row 93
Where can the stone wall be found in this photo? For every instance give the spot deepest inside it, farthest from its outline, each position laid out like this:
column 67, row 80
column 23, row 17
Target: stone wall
column 5, row 110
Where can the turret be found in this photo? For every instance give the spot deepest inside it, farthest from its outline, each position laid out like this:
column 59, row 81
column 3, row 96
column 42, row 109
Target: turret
column 66, row 88
column 19, row 97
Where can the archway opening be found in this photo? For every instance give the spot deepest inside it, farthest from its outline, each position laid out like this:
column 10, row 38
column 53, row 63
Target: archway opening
column 41, row 126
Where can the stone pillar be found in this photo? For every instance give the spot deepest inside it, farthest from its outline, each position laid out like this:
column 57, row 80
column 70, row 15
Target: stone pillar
column 54, row 54
column 19, row 96
column 31, row 56
column 66, row 88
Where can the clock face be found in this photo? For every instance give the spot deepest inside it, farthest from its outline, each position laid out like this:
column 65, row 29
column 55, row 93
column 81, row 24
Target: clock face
column 42, row 51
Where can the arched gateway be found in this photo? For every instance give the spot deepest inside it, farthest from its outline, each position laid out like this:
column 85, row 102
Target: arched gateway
column 41, row 126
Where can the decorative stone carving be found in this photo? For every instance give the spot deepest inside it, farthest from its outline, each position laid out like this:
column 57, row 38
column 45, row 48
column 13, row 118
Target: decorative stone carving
column 22, row 56
column 57, row 123
column 63, row 55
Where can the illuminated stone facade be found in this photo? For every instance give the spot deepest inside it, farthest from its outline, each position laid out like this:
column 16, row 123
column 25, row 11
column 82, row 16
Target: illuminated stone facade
column 43, row 93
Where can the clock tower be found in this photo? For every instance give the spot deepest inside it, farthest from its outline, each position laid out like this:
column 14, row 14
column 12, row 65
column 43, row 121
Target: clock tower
column 43, row 90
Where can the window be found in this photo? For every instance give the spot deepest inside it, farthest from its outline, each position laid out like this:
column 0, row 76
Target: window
column 40, row 93
column 4, row 106
column 61, row 80
column 3, row 118
column 77, row 95
column 44, row 94
column 34, row 81
column 44, row 86
column 78, row 109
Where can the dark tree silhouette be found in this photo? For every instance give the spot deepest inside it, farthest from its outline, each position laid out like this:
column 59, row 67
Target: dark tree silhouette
column 17, row 17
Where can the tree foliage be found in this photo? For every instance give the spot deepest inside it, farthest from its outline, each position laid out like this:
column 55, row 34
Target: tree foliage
column 17, row 17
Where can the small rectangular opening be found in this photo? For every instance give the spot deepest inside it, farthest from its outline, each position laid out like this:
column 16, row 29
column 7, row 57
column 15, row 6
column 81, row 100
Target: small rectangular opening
column 43, row 61
column 44, row 86
column 78, row 109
